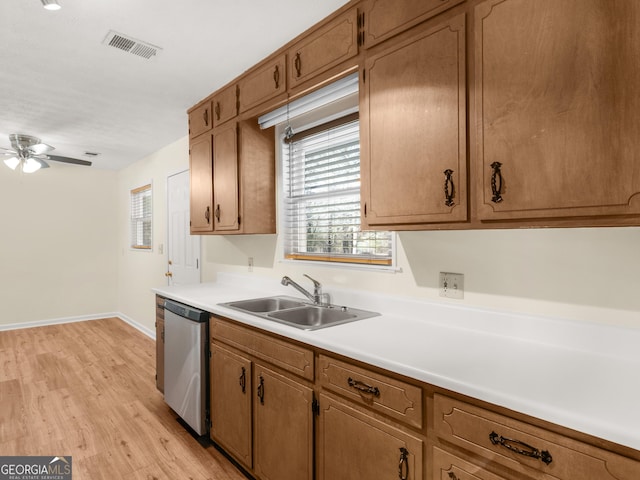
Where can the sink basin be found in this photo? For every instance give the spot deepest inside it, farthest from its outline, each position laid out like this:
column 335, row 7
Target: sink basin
column 313, row 317
column 269, row 304
column 298, row 313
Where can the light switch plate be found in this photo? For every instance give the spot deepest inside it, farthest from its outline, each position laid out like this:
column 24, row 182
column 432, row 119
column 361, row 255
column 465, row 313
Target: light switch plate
column 452, row 285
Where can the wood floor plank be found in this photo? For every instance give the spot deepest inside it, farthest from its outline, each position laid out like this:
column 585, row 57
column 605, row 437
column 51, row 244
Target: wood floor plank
column 87, row 389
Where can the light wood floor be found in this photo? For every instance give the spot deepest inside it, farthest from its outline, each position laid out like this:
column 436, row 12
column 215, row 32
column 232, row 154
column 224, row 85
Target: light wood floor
column 87, row 390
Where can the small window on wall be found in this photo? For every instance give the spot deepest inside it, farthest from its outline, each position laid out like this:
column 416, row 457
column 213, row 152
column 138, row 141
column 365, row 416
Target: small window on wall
column 141, row 218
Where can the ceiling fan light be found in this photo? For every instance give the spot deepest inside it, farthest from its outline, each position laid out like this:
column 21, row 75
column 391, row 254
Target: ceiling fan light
column 12, row 162
column 51, row 4
column 31, row 165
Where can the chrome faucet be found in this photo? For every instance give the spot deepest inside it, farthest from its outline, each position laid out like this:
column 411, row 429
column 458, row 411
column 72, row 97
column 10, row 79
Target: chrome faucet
column 317, row 297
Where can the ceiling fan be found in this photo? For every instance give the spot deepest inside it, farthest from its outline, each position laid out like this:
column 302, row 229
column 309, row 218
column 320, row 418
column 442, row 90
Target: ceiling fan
column 30, row 154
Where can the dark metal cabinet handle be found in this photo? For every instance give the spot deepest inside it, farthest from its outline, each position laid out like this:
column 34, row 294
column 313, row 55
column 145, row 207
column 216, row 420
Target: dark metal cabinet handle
column 496, row 182
column 243, row 380
column 207, row 214
column 363, row 387
column 449, row 188
column 276, row 77
column 261, row 390
column 452, row 476
column 205, row 117
column 526, row 450
column 298, row 64
column 217, row 110
column 217, row 213
column 403, row 466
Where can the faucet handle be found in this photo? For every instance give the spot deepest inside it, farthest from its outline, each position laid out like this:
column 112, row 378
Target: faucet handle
column 316, row 284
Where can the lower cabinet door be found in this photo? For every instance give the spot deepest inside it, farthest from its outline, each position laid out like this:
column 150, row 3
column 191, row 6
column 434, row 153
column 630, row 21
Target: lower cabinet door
column 283, row 427
column 356, row 446
column 231, row 403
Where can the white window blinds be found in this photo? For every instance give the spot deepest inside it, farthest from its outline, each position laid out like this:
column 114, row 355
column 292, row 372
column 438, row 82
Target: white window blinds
column 322, row 198
column 141, row 217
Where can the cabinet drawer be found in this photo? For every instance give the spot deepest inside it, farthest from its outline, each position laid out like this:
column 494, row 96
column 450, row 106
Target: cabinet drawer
column 323, row 49
column 289, row 357
column 200, row 120
column 502, row 439
column 384, row 19
column 450, row 467
column 397, row 399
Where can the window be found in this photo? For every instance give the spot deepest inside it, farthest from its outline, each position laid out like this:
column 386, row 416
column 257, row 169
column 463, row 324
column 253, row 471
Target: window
column 321, row 179
column 141, row 217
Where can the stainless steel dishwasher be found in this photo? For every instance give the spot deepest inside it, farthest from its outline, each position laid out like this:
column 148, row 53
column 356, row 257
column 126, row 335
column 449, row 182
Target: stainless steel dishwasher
column 185, row 363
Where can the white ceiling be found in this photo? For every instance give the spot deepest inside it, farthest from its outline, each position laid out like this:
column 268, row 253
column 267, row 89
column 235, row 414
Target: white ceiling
column 60, row 83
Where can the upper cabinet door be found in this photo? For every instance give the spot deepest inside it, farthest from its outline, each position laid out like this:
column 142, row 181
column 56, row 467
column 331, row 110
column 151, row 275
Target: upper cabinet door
column 225, row 178
column 330, row 45
column 384, row 19
column 557, row 103
column 225, row 105
column 413, row 130
column 201, row 213
column 200, row 120
column 263, row 84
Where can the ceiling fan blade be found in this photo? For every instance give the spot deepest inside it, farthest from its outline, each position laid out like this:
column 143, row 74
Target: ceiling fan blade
column 42, row 163
column 74, row 161
column 9, row 151
column 40, row 148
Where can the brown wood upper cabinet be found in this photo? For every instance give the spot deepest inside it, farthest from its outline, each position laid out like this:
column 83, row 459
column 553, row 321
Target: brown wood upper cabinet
column 263, row 83
column 233, row 180
column 331, row 44
column 383, row 19
column 225, row 105
column 557, row 108
column 201, row 194
column 200, row 120
column 413, row 133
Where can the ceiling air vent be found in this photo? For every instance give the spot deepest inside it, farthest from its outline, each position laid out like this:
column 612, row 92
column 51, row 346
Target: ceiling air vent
column 131, row 45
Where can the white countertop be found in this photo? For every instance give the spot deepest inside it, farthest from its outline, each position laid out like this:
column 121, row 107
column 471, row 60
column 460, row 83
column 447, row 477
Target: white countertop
column 580, row 375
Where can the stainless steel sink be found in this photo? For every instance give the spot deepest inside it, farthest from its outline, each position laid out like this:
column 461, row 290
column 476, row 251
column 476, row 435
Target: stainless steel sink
column 269, row 304
column 299, row 314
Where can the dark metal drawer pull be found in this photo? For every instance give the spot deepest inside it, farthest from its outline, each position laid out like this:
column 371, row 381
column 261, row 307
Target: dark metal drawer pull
column 496, row 182
column 449, row 188
column 363, row 387
column 261, row 390
column 276, row 77
column 403, row 466
column 243, row 380
column 530, row 451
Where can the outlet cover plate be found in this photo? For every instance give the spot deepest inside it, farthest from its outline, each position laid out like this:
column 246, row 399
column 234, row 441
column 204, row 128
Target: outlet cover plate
column 452, row 285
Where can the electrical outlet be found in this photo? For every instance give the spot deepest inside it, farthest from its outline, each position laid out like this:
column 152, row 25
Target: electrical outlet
column 250, row 264
column 452, row 285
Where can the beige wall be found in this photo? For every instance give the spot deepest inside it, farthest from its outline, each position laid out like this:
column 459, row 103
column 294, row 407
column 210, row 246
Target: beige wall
column 140, row 271
column 57, row 247
column 582, row 274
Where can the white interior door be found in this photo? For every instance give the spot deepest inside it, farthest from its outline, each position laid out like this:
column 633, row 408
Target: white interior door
column 183, row 249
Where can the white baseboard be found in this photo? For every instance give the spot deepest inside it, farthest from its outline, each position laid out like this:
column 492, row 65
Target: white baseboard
column 98, row 316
